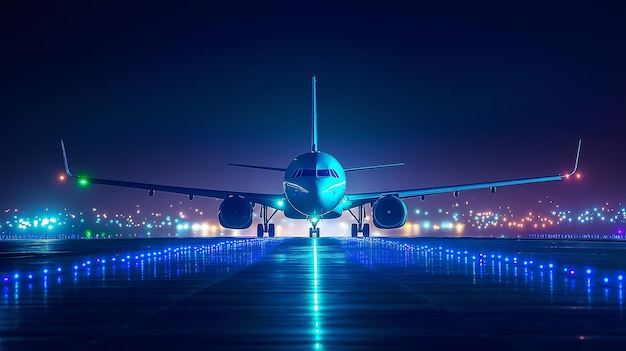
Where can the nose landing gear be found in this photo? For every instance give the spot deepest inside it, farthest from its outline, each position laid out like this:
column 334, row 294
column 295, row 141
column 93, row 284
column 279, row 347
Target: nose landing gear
column 315, row 231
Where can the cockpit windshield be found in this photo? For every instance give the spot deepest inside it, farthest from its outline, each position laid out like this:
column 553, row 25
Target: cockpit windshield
column 323, row 172
column 312, row 173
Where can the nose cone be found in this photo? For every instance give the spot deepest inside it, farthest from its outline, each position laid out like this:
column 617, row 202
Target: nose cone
column 329, row 192
column 303, row 196
column 317, row 196
column 314, row 183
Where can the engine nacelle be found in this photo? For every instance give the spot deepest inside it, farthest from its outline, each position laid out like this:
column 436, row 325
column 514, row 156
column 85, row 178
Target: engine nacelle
column 235, row 213
column 389, row 212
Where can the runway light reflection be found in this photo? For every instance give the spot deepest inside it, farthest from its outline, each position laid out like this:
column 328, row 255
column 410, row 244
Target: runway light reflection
column 316, row 299
column 483, row 269
column 167, row 263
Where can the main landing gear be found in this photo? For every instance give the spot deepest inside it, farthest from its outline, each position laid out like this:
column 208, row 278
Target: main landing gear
column 266, row 227
column 359, row 226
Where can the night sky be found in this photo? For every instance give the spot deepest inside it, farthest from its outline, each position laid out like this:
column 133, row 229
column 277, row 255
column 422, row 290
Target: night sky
column 460, row 92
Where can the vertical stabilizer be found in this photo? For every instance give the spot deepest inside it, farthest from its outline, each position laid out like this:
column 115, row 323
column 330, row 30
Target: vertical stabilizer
column 314, row 127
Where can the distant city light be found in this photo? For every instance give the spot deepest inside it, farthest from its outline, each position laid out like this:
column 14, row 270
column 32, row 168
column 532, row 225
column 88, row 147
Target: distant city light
column 551, row 219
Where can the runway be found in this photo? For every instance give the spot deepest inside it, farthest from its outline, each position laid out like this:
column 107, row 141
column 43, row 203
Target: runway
column 312, row 294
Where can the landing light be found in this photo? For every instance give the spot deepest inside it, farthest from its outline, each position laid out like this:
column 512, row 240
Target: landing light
column 280, row 203
column 314, row 219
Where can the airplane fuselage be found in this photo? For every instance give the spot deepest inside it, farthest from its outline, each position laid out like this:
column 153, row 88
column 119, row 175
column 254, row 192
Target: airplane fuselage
column 314, row 184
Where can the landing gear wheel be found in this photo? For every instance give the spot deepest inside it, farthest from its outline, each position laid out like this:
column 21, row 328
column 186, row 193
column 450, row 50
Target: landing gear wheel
column 359, row 226
column 366, row 230
column 266, row 226
column 314, row 233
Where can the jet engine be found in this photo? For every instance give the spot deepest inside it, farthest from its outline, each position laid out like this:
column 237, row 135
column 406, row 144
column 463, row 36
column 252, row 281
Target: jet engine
column 389, row 212
column 235, row 212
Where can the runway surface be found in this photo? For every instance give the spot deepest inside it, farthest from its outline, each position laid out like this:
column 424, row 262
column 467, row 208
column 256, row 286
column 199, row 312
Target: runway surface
column 312, row 294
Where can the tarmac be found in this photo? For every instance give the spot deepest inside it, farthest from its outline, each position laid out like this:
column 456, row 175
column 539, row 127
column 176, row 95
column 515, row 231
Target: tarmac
column 312, row 294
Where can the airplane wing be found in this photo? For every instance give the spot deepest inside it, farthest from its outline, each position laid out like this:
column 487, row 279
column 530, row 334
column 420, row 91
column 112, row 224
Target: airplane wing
column 354, row 200
column 269, row 200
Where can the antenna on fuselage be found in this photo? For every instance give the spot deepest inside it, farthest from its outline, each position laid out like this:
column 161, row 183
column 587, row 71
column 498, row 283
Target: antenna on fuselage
column 314, row 127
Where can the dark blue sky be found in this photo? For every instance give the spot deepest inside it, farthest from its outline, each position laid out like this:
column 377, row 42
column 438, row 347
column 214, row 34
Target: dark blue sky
column 170, row 93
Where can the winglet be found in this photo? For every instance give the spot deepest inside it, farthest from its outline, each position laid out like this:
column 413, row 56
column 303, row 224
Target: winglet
column 67, row 167
column 580, row 141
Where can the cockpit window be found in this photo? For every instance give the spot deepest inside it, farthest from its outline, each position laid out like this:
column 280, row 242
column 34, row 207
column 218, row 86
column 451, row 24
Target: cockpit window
column 334, row 173
column 323, row 172
column 297, row 173
column 308, row 173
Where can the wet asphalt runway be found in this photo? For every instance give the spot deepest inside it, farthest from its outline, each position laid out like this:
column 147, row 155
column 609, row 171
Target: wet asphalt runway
column 312, row 294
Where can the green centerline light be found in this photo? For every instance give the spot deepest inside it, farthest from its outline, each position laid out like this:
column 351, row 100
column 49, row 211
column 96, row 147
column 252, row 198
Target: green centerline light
column 316, row 300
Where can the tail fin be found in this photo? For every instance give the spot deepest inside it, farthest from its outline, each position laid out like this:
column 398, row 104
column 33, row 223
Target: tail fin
column 314, row 127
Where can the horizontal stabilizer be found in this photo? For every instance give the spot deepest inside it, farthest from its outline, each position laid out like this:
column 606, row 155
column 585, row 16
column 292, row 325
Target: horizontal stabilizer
column 259, row 167
column 373, row 167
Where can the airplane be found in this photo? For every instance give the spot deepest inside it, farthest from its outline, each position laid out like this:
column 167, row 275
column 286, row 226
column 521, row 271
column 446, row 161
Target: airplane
column 314, row 188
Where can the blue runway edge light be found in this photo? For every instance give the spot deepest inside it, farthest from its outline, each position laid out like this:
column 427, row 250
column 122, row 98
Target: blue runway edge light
column 482, row 265
column 215, row 251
